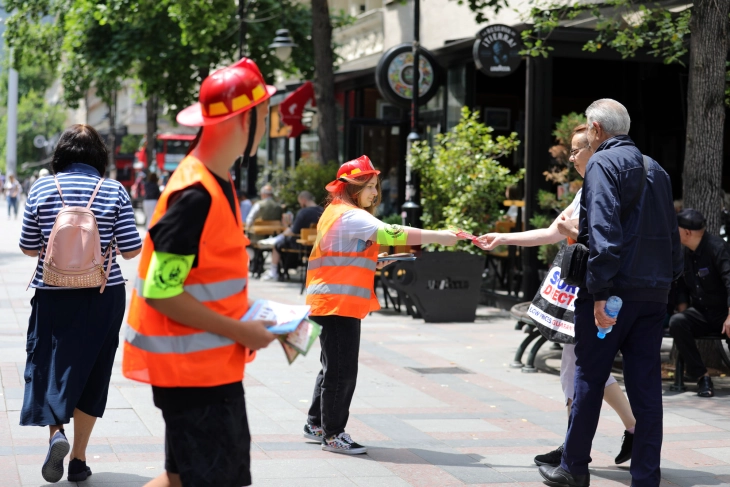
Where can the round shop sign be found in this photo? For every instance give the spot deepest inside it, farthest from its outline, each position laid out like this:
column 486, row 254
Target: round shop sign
column 394, row 75
column 497, row 50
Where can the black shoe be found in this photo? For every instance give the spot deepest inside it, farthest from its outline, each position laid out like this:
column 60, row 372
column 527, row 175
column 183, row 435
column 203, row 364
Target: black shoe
column 551, row 459
column 706, row 389
column 78, row 471
column 559, row 477
column 627, row 444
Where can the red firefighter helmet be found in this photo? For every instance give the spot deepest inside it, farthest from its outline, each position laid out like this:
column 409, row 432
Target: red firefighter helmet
column 357, row 167
column 226, row 93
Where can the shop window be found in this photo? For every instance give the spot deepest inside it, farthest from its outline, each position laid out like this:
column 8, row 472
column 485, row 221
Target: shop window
column 455, row 95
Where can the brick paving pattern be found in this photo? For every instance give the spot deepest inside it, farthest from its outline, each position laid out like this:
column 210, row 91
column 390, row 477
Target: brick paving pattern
column 481, row 428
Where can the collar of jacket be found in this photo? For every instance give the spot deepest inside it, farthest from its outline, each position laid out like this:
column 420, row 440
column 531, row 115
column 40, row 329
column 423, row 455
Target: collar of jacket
column 701, row 247
column 616, row 141
column 80, row 167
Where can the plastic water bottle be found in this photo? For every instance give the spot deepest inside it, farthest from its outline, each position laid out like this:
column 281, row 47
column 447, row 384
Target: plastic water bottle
column 613, row 306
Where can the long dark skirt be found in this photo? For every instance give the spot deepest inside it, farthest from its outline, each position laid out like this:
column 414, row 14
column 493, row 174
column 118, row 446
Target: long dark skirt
column 73, row 336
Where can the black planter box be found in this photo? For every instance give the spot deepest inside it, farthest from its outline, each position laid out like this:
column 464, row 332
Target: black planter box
column 443, row 286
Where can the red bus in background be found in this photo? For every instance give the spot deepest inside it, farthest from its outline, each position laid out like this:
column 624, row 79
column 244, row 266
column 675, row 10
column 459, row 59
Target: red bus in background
column 169, row 151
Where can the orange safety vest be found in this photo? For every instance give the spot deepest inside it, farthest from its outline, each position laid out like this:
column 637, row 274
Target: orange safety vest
column 165, row 353
column 341, row 283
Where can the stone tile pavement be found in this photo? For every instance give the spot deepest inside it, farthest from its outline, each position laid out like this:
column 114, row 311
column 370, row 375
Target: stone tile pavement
column 428, row 430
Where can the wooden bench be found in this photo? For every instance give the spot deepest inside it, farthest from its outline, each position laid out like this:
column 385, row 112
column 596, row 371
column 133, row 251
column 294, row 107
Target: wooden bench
column 262, row 228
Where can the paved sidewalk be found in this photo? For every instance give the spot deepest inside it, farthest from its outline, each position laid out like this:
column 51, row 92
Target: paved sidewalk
column 482, row 427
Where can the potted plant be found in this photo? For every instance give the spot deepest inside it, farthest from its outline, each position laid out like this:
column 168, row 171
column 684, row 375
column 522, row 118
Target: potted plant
column 462, row 184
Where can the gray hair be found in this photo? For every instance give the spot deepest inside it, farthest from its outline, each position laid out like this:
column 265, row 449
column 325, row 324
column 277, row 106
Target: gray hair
column 611, row 115
column 306, row 195
column 267, row 190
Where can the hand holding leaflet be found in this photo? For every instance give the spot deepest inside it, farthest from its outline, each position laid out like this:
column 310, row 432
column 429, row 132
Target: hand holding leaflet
column 468, row 236
column 296, row 333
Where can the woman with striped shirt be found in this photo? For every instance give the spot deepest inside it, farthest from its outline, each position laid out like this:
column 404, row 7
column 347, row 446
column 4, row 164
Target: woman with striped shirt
column 73, row 333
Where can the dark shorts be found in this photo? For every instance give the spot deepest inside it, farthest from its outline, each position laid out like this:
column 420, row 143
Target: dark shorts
column 209, row 445
column 73, row 335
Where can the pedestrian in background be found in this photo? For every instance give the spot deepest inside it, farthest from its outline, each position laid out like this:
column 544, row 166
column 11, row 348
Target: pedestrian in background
column 340, row 278
column 707, row 283
column 12, row 193
column 73, row 333
column 566, row 226
column 151, row 195
column 267, row 208
column 635, row 254
column 245, row 205
column 185, row 334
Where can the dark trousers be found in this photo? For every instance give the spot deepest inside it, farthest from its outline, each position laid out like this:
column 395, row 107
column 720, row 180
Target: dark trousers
column 689, row 324
column 335, row 384
column 638, row 334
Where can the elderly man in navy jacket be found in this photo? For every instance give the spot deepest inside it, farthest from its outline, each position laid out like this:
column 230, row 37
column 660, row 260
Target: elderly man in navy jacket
column 630, row 229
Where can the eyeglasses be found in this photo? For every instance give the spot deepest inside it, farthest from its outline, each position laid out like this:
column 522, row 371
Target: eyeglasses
column 574, row 152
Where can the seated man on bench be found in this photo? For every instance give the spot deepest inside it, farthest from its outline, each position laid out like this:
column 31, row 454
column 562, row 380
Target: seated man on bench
column 308, row 215
column 707, row 279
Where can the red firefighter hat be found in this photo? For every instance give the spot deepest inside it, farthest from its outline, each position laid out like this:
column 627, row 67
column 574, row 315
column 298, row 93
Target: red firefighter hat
column 357, row 167
column 226, row 93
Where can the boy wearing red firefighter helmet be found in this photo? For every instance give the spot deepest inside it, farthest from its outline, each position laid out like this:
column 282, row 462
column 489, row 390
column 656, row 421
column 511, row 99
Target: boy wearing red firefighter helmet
column 185, row 337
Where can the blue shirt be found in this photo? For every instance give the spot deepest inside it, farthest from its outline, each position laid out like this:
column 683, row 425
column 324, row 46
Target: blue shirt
column 111, row 207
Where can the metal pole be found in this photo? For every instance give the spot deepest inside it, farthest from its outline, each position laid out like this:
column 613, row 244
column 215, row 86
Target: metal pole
column 242, row 4
column 416, row 60
column 11, row 145
column 410, row 208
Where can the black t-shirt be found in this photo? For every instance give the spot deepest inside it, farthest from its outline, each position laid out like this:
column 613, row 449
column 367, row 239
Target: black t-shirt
column 179, row 232
column 306, row 217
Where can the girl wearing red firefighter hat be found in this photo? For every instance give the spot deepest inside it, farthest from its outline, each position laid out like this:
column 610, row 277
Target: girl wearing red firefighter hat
column 340, row 280
column 185, row 337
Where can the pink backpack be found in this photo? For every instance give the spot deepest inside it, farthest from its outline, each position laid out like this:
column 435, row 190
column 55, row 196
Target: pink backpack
column 74, row 258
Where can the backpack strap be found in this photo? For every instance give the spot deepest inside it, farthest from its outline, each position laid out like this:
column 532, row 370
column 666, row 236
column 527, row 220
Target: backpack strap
column 58, row 186
column 93, row 195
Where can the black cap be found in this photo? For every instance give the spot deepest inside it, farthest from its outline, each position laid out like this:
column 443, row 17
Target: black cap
column 690, row 219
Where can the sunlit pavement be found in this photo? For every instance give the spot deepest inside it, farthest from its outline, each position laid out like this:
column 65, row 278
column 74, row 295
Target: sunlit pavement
column 481, row 427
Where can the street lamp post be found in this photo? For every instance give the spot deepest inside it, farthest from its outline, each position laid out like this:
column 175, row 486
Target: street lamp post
column 410, row 208
column 282, row 47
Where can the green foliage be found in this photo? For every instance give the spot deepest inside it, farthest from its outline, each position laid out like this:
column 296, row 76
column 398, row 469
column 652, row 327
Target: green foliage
column 35, row 117
column 307, row 175
column 462, row 182
column 167, row 46
column 130, row 143
column 480, row 7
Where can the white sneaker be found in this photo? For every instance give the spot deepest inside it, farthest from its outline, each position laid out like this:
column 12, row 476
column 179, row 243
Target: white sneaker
column 342, row 443
column 269, row 277
column 267, row 243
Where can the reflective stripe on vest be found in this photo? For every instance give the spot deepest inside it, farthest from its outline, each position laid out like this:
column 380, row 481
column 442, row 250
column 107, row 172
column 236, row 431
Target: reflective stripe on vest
column 196, row 342
column 214, row 291
column 330, row 261
column 324, row 288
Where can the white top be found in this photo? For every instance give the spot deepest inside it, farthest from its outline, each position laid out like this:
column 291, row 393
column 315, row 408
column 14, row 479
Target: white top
column 574, row 208
column 351, row 232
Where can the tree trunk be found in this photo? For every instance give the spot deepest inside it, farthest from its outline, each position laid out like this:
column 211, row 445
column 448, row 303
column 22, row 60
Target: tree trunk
column 324, row 81
column 706, row 110
column 150, row 134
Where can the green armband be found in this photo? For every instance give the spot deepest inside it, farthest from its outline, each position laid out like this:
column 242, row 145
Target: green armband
column 166, row 275
column 392, row 235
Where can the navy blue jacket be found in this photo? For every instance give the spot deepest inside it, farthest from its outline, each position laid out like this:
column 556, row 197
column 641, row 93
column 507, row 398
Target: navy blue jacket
column 636, row 257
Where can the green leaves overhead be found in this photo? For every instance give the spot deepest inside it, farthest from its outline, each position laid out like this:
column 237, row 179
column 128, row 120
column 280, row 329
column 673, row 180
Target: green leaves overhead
column 462, row 182
column 167, row 46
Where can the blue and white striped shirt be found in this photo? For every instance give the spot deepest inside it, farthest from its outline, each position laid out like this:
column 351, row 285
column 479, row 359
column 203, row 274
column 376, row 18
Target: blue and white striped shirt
column 112, row 209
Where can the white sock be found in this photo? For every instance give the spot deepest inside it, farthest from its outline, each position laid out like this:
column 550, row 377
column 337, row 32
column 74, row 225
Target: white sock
column 272, row 272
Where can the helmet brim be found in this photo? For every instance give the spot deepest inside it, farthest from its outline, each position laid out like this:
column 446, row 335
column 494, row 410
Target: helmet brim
column 192, row 116
column 336, row 186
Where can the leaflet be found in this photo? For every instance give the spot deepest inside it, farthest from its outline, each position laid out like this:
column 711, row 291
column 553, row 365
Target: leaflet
column 287, row 316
